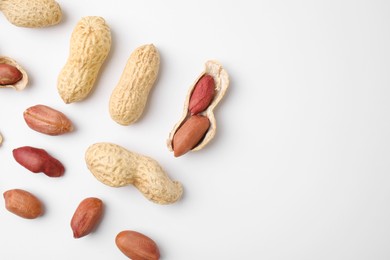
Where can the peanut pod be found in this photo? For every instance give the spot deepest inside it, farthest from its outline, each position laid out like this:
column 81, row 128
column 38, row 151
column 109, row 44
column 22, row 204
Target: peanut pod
column 31, row 13
column 90, row 44
column 115, row 166
column 129, row 97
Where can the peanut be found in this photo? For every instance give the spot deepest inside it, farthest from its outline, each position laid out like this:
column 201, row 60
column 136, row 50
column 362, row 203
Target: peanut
column 12, row 75
column 190, row 134
column 9, row 74
column 115, row 166
column 23, row 203
column 38, row 160
column 31, row 13
column 202, row 95
column 47, row 120
column 89, row 46
column 86, row 217
column 202, row 98
column 129, row 97
column 1, row 139
column 137, row 246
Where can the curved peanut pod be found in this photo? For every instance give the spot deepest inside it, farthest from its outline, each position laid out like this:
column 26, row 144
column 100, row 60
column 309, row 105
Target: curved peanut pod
column 89, row 46
column 129, row 97
column 31, row 13
column 20, row 84
column 115, row 166
column 221, row 84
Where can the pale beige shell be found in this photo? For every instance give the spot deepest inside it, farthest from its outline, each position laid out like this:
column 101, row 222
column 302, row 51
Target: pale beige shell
column 21, row 84
column 129, row 97
column 90, row 44
column 221, row 79
column 115, row 166
column 31, row 13
column 1, row 139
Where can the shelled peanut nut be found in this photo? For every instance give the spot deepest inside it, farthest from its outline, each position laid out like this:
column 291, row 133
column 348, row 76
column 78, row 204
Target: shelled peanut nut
column 137, row 246
column 86, row 217
column 47, row 120
column 38, row 160
column 23, row 203
column 12, row 75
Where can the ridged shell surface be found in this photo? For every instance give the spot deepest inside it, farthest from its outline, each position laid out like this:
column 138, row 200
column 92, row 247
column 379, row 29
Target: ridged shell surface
column 129, row 98
column 89, row 46
column 31, row 13
column 115, row 166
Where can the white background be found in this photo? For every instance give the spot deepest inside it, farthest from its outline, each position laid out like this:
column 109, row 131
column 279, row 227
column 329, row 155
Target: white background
column 299, row 168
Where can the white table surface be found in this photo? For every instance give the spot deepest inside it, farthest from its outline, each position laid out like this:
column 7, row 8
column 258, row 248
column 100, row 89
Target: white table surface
column 299, row 168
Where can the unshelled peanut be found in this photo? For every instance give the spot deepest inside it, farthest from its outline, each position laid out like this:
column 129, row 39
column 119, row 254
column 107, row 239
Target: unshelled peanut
column 31, row 13
column 115, row 166
column 90, row 44
column 130, row 96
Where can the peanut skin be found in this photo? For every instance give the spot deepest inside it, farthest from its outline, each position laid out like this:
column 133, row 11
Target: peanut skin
column 38, row 160
column 202, row 95
column 47, row 120
column 9, row 74
column 23, row 203
column 86, row 217
column 190, row 134
column 90, row 44
column 137, row 246
column 115, row 166
column 12, row 75
column 128, row 99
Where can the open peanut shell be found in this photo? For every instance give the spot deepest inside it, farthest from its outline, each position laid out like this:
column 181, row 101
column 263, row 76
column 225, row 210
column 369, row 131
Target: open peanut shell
column 22, row 83
column 221, row 80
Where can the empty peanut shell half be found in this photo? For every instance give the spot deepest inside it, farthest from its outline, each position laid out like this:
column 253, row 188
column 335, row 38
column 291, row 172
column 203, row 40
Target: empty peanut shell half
column 203, row 96
column 12, row 75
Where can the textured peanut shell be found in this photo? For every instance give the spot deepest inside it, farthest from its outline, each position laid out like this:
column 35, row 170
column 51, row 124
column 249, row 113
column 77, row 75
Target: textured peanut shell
column 90, row 44
column 21, row 84
column 221, row 79
column 129, row 97
column 115, row 166
column 1, row 139
column 31, row 13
